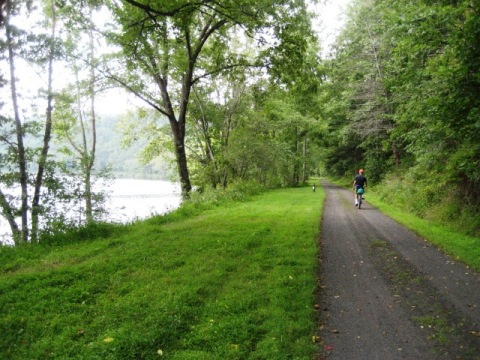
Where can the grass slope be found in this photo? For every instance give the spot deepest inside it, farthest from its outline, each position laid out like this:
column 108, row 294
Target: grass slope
column 233, row 282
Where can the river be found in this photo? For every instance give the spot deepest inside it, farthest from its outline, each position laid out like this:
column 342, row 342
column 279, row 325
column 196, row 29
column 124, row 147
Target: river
column 129, row 200
column 133, row 199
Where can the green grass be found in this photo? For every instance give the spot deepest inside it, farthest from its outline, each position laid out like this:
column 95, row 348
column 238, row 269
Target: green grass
column 236, row 281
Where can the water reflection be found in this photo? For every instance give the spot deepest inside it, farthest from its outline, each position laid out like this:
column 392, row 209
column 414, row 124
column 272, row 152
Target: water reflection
column 129, row 200
column 139, row 199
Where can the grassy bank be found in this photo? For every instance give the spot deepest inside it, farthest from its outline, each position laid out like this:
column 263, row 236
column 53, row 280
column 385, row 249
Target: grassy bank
column 235, row 281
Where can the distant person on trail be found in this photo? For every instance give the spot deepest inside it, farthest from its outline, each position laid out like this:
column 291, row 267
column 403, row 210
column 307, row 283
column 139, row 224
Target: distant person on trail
column 359, row 182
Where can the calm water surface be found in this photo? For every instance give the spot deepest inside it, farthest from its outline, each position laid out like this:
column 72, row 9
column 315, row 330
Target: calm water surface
column 140, row 199
column 129, row 200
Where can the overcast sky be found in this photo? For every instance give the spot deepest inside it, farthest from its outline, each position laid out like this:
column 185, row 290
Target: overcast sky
column 331, row 20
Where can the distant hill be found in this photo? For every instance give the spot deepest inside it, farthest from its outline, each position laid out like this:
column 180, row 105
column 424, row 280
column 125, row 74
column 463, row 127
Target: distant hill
column 124, row 161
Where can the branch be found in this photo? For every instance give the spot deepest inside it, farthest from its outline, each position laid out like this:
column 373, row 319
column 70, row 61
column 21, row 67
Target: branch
column 9, row 214
column 136, row 93
column 171, row 12
column 1, row 11
column 206, row 33
column 207, row 74
column 6, row 139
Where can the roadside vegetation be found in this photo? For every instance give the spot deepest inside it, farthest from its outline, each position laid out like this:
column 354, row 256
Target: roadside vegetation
column 216, row 279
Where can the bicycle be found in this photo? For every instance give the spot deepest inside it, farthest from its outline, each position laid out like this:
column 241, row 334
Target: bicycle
column 360, row 192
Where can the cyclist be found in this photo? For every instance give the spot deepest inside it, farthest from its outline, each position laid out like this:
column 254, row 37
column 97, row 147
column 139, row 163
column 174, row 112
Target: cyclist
column 359, row 182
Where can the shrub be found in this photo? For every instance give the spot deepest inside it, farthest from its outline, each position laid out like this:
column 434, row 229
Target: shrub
column 69, row 234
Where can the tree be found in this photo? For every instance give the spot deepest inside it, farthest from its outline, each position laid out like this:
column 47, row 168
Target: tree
column 170, row 47
column 43, row 157
column 18, row 149
column 213, row 124
column 438, row 88
column 17, row 158
column 76, row 116
column 362, row 53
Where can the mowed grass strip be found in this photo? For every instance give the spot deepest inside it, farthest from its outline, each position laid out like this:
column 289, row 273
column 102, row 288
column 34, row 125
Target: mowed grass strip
column 234, row 282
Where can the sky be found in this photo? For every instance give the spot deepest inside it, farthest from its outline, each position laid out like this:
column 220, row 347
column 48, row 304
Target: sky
column 331, row 18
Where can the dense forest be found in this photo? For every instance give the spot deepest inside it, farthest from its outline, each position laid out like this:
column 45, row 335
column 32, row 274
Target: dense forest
column 402, row 100
column 239, row 92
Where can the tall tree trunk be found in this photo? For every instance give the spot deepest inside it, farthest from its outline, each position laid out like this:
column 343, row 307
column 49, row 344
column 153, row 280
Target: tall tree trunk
column 86, row 156
column 47, row 135
column 22, row 162
column 90, row 154
column 228, row 125
column 204, row 135
column 304, row 161
column 88, row 196
column 181, row 156
column 295, row 173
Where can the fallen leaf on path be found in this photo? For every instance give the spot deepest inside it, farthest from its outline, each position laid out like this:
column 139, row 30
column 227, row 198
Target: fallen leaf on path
column 328, row 347
column 334, row 331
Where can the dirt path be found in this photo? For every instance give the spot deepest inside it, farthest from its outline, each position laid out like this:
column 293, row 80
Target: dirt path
column 387, row 294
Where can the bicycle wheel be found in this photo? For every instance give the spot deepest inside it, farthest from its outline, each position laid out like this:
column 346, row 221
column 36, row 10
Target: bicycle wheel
column 359, row 199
